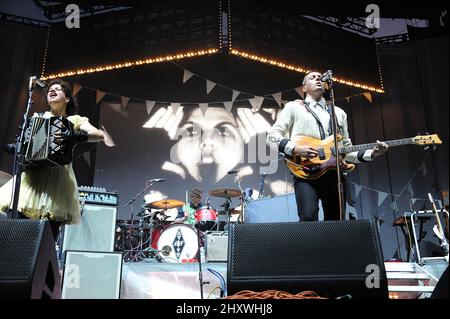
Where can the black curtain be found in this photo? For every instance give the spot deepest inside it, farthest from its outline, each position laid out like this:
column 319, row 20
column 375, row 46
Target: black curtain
column 21, row 56
column 415, row 75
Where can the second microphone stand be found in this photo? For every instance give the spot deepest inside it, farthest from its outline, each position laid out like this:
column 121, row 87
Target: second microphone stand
column 334, row 125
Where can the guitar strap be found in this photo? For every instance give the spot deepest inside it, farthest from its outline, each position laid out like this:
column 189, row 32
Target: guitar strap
column 321, row 129
column 330, row 126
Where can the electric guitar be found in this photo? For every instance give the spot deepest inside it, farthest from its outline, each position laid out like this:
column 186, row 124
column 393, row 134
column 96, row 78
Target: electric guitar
column 437, row 229
column 313, row 168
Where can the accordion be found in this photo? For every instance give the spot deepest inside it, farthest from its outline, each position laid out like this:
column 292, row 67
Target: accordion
column 40, row 146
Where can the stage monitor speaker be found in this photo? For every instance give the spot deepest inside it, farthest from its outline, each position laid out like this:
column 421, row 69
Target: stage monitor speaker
column 95, row 232
column 92, row 275
column 332, row 258
column 28, row 265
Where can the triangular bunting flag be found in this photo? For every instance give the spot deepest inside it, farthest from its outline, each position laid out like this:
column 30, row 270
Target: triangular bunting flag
column 277, row 98
column 381, row 197
column 300, row 91
column 424, row 169
column 149, row 105
column 357, row 190
column 235, row 95
column 87, row 157
column 393, row 205
column 187, row 75
column 175, row 107
column 203, row 107
column 209, row 86
column 99, row 96
column 368, row 96
column 410, row 189
column 124, row 101
column 413, row 202
column 256, row 103
column 228, row 106
column 76, row 89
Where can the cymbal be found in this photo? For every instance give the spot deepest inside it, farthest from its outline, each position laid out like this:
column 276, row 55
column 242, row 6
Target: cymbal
column 225, row 192
column 166, row 203
column 4, row 177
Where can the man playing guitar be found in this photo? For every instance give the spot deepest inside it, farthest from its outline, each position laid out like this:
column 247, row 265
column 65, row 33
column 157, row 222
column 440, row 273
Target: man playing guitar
column 311, row 118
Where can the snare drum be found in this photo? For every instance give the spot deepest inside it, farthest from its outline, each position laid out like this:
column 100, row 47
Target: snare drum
column 178, row 242
column 205, row 218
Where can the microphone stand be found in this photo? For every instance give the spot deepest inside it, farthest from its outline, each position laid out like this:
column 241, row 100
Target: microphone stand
column 18, row 155
column 243, row 204
column 132, row 203
column 334, row 125
column 200, row 271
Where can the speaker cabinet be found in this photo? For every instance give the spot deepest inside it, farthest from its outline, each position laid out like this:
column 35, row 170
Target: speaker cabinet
column 95, row 231
column 92, row 275
column 332, row 258
column 28, row 266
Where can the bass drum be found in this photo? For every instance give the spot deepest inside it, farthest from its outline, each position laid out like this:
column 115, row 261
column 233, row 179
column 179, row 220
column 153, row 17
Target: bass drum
column 178, row 243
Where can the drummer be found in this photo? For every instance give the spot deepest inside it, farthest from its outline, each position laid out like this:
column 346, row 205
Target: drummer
column 186, row 213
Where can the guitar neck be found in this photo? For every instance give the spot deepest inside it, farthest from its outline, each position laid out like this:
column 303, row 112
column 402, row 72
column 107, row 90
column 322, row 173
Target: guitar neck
column 364, row 147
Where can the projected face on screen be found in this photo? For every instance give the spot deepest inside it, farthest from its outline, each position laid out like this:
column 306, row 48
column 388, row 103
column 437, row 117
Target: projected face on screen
column 209, row 145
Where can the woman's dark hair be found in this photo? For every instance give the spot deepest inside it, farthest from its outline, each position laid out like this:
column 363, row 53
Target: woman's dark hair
column 72, row 105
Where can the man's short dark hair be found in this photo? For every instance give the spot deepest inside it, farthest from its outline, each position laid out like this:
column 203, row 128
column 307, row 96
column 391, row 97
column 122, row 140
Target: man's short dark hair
column 306, row 75
column 196, row 192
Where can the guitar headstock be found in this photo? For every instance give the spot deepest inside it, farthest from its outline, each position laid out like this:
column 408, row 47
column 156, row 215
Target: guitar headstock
column 432, row 139
column 430, row 198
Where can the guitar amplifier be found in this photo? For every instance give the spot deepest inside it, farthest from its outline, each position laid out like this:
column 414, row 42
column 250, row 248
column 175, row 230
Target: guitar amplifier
column 216, row 246
column 98, row 195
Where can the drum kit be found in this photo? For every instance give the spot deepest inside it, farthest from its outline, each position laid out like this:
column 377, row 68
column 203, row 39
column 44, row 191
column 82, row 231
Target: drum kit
column 152, row 237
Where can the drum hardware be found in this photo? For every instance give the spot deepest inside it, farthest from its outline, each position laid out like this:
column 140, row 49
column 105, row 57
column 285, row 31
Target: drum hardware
column 166, row 204
column 139, row 249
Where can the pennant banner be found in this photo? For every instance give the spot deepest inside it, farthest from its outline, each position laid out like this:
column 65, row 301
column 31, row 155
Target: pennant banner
column 209, row 86
column 99, row 96
column 410, row 189
column 413, row 202
column 203, row 107
column 256, row 103
column 228, row 106
column 394, row 207
column 124, row 101
column 187, row 75
column 277, row 98
column 76, row 89
column 368, row 96
column 357, row 190
column 381, row 197
column 235, row 95
column 149, row 105
column 424, row 169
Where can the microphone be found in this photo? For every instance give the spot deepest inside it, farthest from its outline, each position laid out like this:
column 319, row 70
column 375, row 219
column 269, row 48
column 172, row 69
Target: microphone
column 41, row 83
column 166, row 250
column 326, row 76
column 208, row 203
column 158, row 180
column 35, row 80
column 233, row 172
